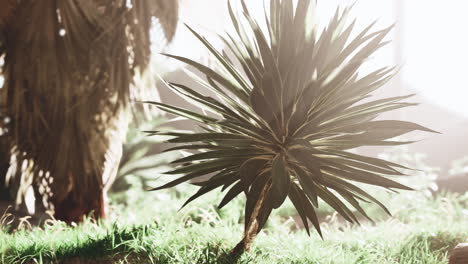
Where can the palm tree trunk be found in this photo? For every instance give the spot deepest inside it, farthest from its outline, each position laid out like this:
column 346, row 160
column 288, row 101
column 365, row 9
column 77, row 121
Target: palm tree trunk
column 79, row 204
column 64, row 94
column 253, row 226
column 93, row 201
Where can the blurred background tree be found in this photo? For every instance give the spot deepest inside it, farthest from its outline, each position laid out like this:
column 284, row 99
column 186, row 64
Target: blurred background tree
column 71, row 69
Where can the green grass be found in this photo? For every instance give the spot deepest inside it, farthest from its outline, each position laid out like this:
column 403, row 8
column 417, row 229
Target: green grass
column 149, row 228
column 422, row 230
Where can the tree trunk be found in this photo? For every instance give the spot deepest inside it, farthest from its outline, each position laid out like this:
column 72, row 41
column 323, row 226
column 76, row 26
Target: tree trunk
column 252, row 228
column 6, row 11
column 459, row 254
column 79, row 204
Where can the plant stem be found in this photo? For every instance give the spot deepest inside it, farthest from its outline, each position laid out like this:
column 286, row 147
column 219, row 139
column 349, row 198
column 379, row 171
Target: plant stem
column 252, row 228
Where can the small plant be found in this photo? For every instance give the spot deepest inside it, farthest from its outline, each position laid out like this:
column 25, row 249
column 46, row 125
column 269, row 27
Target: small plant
column 141, row 159
column 282, row 127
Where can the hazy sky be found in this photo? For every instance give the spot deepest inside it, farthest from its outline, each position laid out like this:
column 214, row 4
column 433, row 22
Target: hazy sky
column 432, row 45
column 435, row 51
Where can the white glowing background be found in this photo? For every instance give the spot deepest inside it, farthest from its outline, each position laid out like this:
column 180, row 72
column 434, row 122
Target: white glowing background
column 432, row 40
column 436, row 51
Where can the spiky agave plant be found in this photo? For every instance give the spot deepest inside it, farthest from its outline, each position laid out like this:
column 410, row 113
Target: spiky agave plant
column 282, row 126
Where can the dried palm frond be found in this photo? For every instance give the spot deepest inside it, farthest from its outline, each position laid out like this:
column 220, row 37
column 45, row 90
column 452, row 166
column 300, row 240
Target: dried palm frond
column 282, row 125
column 69, row 74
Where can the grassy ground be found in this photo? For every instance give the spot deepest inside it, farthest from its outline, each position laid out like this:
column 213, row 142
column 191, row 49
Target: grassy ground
column 422, row 230
column 149, row 228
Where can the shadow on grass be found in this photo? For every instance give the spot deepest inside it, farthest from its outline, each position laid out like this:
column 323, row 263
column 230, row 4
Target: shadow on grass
column 97, row 250
column 424, row 245
column 127, row 245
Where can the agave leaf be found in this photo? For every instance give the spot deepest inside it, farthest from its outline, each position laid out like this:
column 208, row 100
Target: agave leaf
column 184, row 138
column 378, row 103
column 231, row 69
column 231, row 194
column 280, row 180
column 222, row 178
column 356, row 43
column 380, row 130
column 214, row 75
column 182, row 179
column 206, row 101
column 354, row 143
column 307, row 185
column 261, row 105
column 225, row 176
column 251, row 69
column 374, row 80
column 210, row 166
column 373, row 45
column 371, row 161
column 224, row 96
column 309, row 209
column 249, row 171
column 245, row 40
column 139, row 164
column 227, row 184
column 363, row 166
column 286, row 38
column 300, row 19
column 404, row 126
column 351, row 200
column 337, row 204
column 195, row 147
column 363, row 176
column 203, row 190
column 358, row 114
column 357, row 191
column 296, row 201
column 269, row 61
column 183, row 112
column 218, row 153
column 338, row 46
